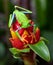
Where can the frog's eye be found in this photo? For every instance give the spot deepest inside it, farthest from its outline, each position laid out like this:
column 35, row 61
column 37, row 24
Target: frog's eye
column 31, row 22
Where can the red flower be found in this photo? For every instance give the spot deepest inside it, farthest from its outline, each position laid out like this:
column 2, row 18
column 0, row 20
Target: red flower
column 13, row 33
column 29, row 40
column 21, row 31
column 30, row 29
column 16, row 25
column 17, row 43
column 37, row 34
column 27, row 36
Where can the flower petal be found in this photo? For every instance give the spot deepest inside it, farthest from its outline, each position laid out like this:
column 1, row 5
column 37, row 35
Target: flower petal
column 17, row 43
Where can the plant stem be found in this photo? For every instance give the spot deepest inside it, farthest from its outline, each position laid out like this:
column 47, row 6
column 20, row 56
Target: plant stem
column 29, row 58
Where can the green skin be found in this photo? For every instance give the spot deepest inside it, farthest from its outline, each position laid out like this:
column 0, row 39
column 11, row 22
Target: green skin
column 21, row 18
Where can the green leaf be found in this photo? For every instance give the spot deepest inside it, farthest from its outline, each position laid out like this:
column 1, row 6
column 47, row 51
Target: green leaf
column 41, row 49
column 44, row 39
column 16, row 51
column 22, row 18
column 25, row 50
column 16, row 57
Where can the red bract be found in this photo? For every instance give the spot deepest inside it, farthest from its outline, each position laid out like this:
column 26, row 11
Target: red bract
column 16, row 25
column 21, row 31
column 30, row 29
column 29, row 40
column 13, row 33
column 37, row 34
column 17, row 43
column 27, row 35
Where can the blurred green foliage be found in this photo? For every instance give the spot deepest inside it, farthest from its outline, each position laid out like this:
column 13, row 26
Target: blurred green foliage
column 10, row 6
column 44, row 11
column 41, row 11
column 1, row 6
column 50, row 14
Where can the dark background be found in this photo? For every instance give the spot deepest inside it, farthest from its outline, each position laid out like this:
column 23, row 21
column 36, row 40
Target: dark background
column 42, row 15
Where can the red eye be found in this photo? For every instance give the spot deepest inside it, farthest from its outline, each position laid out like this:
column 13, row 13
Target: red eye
column 31, row 22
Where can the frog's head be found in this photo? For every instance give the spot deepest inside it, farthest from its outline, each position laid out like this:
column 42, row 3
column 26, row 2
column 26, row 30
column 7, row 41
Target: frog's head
column 20, row 17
